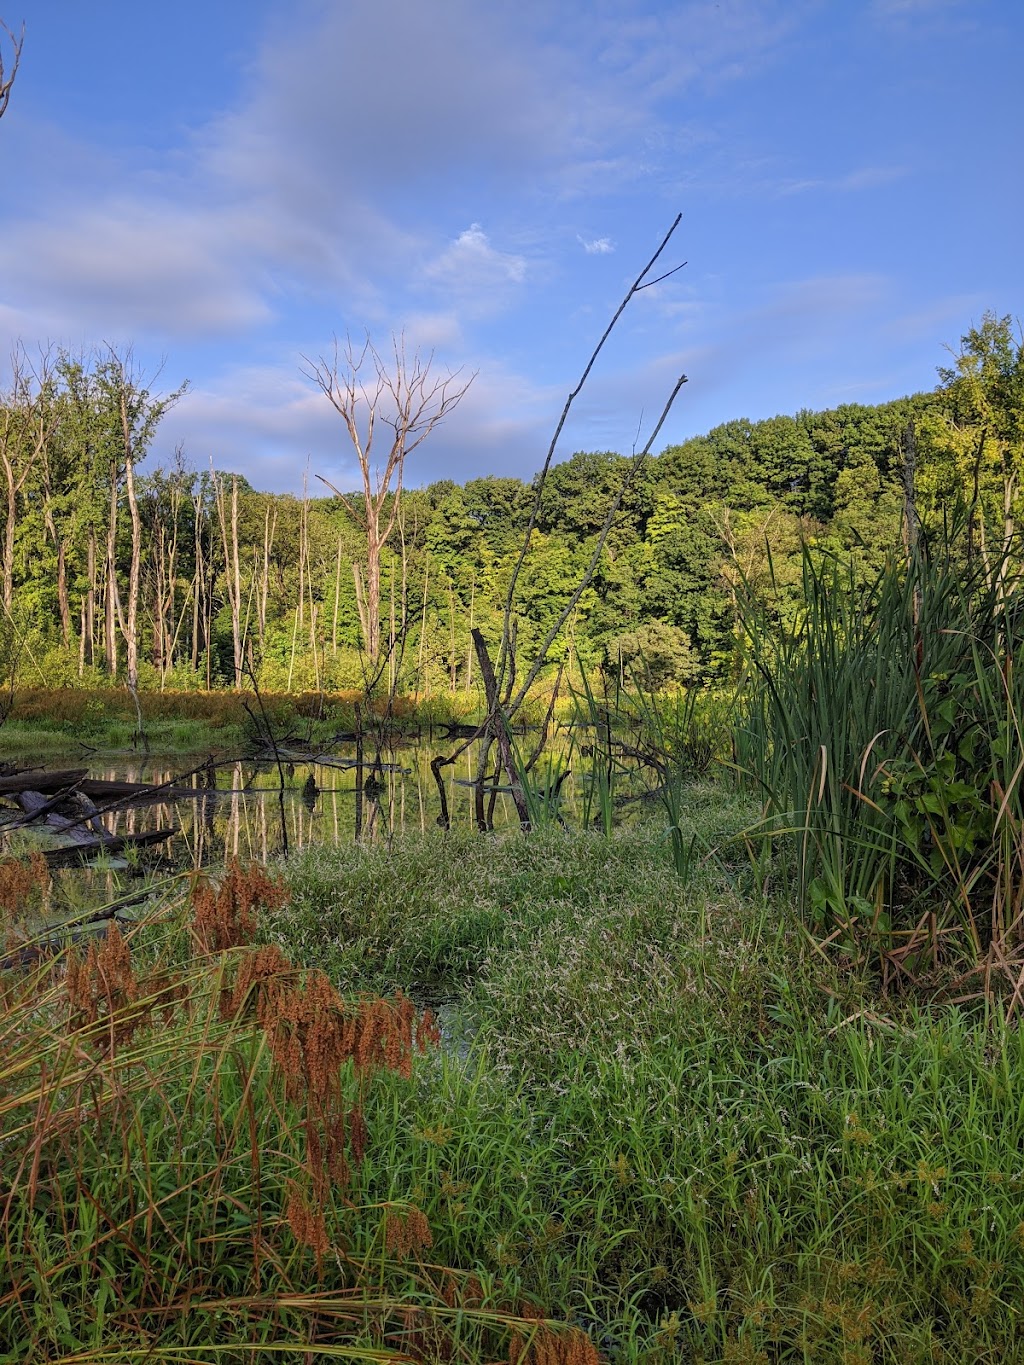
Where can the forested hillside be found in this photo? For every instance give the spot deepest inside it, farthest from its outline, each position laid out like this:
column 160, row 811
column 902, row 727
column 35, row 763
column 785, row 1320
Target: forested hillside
column 182, row 579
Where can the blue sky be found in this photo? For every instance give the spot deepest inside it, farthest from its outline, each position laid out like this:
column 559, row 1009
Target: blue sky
column 228, row 185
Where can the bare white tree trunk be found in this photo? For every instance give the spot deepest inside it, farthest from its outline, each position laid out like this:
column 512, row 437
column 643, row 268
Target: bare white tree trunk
column 405, row 397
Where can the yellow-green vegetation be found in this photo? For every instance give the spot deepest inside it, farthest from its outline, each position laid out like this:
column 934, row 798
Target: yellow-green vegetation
column 52, row 720
column 742, row 1080
column 188, row 1125
column 658, row 1114
column 663, row 1113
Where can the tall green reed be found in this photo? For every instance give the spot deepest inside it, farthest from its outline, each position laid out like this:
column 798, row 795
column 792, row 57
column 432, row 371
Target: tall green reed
column 883, row 731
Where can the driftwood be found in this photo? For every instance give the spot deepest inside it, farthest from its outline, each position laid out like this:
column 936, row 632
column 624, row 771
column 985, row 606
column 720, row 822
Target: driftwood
column 84, row 844
column 82, row 852
column 12, row 784
column 38, row 808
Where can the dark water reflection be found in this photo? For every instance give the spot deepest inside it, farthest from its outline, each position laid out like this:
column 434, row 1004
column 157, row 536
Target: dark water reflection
column 240, row 810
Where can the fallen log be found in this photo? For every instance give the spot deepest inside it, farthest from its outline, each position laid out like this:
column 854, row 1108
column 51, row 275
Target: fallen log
column 38, row 808
column 36, row 780
column 86, row 849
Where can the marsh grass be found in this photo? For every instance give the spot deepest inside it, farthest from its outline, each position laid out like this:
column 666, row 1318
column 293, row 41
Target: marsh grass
column 884, row 732
column 185, row 1121
column 660, row 1115
column 665, row 1116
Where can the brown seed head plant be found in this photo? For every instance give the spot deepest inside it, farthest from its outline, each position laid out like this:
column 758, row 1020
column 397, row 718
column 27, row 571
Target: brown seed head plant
column 406, row 1232
column 102, row 989
column 225, row 914
column 20, row 883
column 545, row 1346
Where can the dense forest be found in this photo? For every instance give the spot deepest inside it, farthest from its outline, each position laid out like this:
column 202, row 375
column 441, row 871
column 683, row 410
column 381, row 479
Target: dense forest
column 178, row 579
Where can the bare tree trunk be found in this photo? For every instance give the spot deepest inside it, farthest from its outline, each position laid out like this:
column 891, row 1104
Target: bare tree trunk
column 232, row 569
column 337, row 598
column 135, row 569
column 357, row 579
column 406, row 399
column 12, row 515
column 269, row 527
column 169, row 600
column 303, row 553
column 423, row 628
column 197, row 589
column 159, row 599
column 111, row 601
column 90, row 600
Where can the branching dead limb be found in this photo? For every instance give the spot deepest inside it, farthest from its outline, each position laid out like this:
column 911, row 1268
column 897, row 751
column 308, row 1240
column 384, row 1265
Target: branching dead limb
column 635, row 288
column 8, row 73
column 504, row 698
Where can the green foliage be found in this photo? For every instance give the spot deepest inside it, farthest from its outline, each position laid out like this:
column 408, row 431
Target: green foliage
column 884, row 732
column 733, row 504
column 659, row 1109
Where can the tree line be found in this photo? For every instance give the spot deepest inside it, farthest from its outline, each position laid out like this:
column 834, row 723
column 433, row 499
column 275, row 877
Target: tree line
column 180, row 578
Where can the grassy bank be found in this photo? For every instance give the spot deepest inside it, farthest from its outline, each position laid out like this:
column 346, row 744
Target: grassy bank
column 667, row 1116
column 57, row 720
column 659, row 1117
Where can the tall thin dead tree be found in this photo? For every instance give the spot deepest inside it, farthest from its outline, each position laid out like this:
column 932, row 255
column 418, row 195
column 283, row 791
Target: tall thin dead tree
column 135, row 414
column 8, row 72
column 402, row 394
column 28, row 417
column 232, row 566
column 504, row 688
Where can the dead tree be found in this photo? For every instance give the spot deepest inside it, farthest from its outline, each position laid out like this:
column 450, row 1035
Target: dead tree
column 8, row 73
column 402, row 394
column 28, row 418
column 505, row 690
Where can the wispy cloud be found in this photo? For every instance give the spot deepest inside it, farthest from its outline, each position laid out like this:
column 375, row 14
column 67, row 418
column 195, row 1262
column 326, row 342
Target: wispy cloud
column 133, row 263
column 852, row 182
column 600, row 246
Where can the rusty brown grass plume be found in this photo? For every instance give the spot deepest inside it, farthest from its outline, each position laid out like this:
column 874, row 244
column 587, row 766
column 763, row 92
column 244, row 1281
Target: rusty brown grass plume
column 182, row 1136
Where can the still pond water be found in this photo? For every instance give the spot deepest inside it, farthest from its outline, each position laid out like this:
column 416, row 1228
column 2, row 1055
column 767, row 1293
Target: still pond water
column 240, row 810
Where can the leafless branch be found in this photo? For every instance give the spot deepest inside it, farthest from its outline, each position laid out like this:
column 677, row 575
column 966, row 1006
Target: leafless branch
column 7, row 74
column 634, row 289
column 541, row 656
column 401, row 394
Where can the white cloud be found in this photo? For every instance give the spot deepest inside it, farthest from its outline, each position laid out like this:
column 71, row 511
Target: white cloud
column 600, row 246
column 474, row 273
column 130, row 264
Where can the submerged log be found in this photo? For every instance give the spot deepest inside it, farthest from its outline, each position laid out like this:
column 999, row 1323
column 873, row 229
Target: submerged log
column 91, row 847
column 34, row 779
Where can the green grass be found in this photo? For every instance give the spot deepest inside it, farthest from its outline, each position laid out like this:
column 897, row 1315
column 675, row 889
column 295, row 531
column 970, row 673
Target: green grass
column 884, row 732
column 660, row 1114
column 665, row 1115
